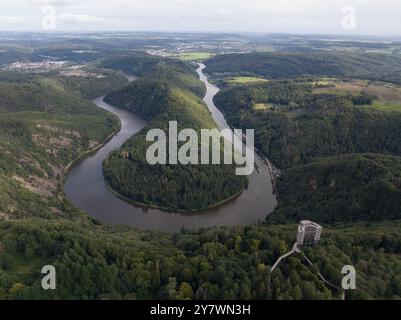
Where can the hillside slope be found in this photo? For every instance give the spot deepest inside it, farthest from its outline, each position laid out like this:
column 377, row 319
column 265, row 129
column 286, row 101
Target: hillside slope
column 364, row 187
column 277, row 65
column 43, row 127
column 299, row 126
column 339, row 154
column 142, row 65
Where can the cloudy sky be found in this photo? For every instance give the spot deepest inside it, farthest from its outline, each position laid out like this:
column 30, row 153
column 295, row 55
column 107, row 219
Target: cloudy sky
column 365, row 17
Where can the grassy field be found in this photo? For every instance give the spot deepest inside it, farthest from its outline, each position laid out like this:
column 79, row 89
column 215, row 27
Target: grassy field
column 387, row 106
column 261, row 106
column 387, row 96
column 243, row 80
column 193, row 56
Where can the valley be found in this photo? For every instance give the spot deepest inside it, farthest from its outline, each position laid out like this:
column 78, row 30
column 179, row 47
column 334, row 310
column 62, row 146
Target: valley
column 116, row 227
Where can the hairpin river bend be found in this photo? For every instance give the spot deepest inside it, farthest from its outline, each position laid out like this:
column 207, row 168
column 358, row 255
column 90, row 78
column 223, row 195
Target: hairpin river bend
column 85, row 186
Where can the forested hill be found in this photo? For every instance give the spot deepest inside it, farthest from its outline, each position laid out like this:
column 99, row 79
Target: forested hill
column 92, row 87
column 299, row 126
column 144, row 96
column 168, row 90
column 363, row 187
column 44, row 125
column 287, row 65
column 175, row 72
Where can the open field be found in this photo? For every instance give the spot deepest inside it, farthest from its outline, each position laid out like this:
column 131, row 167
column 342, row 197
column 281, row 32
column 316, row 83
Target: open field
column 387, row 97
column 387, row 106
column 193, row 56
column 262, row 106
column 244, row 80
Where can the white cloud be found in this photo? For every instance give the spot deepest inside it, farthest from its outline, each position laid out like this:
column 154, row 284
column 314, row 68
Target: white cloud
column 50, row 2
column 12, row 20
column 225, row 12
column 61, row 3
column 289, row 16
column 80, row 18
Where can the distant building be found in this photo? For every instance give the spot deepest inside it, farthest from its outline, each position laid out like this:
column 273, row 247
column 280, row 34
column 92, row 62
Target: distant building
column 308, row 233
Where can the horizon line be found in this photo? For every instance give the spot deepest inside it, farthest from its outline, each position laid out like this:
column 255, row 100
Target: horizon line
column 55, row 32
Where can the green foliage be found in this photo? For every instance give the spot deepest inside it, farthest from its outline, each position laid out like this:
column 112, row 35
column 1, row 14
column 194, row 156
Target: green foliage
column 93, row 261
column 145, row 97
column 173, row 71
column 176, row 187
column 18, row 202
column 219, row 263
column 92, row 87
column 287, row 65
column 348, row 188
column 312, row 135
column 303, row 126
column 43, row 127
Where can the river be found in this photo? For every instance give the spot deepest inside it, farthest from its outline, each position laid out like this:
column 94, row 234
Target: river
column 85, row 186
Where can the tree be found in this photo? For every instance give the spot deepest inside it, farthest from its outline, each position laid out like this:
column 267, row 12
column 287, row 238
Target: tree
column 185, row 292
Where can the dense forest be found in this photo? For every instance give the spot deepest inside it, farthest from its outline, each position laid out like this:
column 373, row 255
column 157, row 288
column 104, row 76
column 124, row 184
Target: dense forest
column 362, row 187
column 173, row 94
column 300, row 126
column 220, row 263
column 279, row 65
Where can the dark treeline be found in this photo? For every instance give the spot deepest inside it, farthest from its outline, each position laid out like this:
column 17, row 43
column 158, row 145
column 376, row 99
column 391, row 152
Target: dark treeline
column 278, row 65
column 363, row 187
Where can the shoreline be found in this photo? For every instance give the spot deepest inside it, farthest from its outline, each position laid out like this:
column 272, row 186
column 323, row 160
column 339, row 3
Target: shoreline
column 270, row 167
column 172, row 210
column 67, row 169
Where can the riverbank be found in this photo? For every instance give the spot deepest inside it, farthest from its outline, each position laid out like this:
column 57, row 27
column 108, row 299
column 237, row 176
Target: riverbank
column 273, row 171
column 173, row 210
column 67, row 169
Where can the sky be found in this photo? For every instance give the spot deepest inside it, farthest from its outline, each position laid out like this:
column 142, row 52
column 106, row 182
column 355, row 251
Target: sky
column 353, row 17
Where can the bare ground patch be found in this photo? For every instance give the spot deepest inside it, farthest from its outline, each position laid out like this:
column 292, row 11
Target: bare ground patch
column 42, row 186
column 388, row 93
